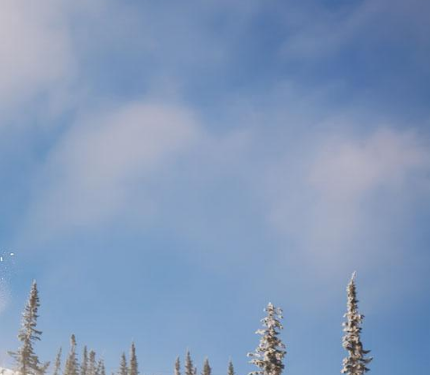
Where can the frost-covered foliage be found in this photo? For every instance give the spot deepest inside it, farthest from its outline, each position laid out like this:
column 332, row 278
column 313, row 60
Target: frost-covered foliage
column 84, row 364
column 57, row 365
column 177, row 366
column 207, row 370
column 101, row 370
column 270, row 352
column 72, row 365
column 123, row 368
column 189, row 367
column 355, row 363
column 26, row 361
column 133, row 360
column 230, row 368
column 92, row 363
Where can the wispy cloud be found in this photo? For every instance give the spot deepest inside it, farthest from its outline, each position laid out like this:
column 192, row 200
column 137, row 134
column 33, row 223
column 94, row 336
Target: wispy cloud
column 92, row 172
column 346, row 195
column 36, row 50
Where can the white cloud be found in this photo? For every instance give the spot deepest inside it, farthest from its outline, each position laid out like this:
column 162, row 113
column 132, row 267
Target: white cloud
column 35, row 49
column 338, row 199
column 104, row 159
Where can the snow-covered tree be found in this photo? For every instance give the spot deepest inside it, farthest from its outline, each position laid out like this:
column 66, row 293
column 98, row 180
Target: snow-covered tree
column 72, row 365
column 207, row 370
column 101, row 370
column 270, row 352
column 57, row 366
column 177, row 366
column 355, row 363
column 92, row 363
column 26, row 361
column 134, row 370
column 84, row 364
column 230, row 368
column 123, row 368
column 189, row 367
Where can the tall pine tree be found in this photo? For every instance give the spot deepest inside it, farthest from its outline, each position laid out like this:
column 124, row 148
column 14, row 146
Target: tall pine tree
column 355, row 363
column 84, row 364
column 26, row 361
column 101, row 370
column 72, row 365
column 92, row 363
column 270, row 353
column 189, row 367
column 57, row 366
column 123, row 368
column 177, row 366
column 207, row 370
column 134, row 370
column 230, row 368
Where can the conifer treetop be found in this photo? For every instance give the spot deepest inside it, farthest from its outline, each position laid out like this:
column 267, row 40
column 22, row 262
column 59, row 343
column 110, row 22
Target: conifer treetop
column 123, row 370
column 356, row 361
column 133, row 360
column 26, row 361
column 207, row 370
column 72, row 365
column 230, row 368
column 177, row 366
column 189, row 367
column 270, row 353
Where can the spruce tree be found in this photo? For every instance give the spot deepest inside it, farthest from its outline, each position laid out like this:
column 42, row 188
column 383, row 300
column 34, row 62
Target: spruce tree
column 92, row 363
column 123, row 368
column 189, row 367
column 26, row 361
column 355, row 363
column 72, row 366
column 230, row 368
column 207, row 370
column 177, row 367
column 101, row 370
column 57, row 367
column 270, row 353
column 84, row 364
column 134, row 370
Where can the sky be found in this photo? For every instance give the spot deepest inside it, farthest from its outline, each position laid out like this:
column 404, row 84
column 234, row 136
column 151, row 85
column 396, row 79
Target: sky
column 168, row 168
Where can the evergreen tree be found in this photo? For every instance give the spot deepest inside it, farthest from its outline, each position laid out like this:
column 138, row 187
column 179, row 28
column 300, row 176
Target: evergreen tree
column 57, row 367
column 101, row 370
column 72, row 366
column 134, row 370
column 230, row 368
column 123, row 369
column 270, row 353
column 355, row 363
column 84, row 365
column 207, row 370
column 26, row 361
column 92, row 363
column 177, row 366
column 189, row 367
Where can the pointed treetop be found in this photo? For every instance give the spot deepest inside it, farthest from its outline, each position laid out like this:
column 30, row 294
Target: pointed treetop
column 133, row 360
column 207, row 370
column 26, row 360
column 230, row 368
column 356, row 361
column 177, row 366
column 270, row 353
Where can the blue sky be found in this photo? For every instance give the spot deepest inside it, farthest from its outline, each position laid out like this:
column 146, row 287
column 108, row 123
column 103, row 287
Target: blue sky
column 168, row 168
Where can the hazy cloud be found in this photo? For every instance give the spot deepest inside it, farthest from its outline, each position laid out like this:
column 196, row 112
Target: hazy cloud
column 338, row 198
column 93, row 170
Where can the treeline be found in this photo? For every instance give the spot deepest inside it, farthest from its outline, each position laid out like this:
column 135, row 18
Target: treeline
column 268, row 356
